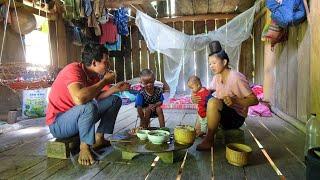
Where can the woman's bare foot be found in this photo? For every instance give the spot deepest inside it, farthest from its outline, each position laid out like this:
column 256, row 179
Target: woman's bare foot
column 85, row 156
column 205, row 145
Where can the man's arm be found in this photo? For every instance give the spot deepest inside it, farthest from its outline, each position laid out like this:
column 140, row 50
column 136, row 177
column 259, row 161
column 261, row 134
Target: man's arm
column 121, row 86
column 82, row 95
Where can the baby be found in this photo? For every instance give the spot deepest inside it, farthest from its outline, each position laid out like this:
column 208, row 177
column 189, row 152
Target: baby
column 149, row 100
column 195, row 85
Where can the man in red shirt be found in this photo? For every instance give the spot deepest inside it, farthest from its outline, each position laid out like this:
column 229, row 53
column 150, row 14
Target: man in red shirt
column 79, row 98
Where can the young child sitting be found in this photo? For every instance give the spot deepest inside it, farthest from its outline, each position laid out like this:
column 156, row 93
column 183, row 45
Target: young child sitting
column 195, row 85
column 149, row 100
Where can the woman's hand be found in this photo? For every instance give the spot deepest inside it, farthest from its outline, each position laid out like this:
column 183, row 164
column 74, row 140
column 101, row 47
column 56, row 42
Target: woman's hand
column 195, row 99
column 228, row 101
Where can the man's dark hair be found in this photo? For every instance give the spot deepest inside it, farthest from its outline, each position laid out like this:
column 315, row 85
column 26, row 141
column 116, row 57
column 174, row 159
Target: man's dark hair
column 147, row 72
column 92, row 52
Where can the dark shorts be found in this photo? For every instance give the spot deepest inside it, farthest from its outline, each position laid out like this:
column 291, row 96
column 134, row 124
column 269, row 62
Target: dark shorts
column 230, row 119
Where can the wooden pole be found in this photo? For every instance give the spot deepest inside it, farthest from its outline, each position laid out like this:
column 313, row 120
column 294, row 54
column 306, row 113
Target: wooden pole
column 269, row 66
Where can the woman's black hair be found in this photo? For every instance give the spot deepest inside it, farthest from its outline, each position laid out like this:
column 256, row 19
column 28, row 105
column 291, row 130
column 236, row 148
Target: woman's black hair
column 92, row 52
column 222, row 55
column 217, row 51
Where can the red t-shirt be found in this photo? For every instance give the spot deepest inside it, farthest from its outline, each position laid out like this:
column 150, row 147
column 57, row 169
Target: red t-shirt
column 203, row 93
column 60, row 99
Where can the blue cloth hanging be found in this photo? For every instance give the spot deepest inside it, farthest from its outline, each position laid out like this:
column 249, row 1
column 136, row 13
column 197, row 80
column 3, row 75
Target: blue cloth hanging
column 287, row 13
column 121, row 20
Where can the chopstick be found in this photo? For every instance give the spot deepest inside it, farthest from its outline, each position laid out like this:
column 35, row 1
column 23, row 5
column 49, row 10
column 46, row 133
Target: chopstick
column 119, row 140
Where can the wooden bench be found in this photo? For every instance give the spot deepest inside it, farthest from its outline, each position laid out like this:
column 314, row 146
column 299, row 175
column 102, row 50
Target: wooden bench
column 61, row 148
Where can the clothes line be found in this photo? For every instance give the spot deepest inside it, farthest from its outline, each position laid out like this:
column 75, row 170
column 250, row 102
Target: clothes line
column 126, row 15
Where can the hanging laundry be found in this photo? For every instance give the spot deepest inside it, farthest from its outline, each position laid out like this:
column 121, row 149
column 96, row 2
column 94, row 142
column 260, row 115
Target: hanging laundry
column 69, row 13
column 109, row 32
column 121, row 19
column 77, row 8
column 287, row 12
column 87, row 7
column 114, row 46
column 104, row 17
column 81, row 8
column 3, row 13
column 96, row 8
column 74, row 32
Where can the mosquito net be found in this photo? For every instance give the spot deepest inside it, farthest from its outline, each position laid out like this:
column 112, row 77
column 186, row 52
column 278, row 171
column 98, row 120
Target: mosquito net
column 186, row 55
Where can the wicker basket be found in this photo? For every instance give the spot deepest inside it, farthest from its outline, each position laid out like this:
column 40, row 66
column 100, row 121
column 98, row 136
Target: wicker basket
column 237, row 154
column 184, row 134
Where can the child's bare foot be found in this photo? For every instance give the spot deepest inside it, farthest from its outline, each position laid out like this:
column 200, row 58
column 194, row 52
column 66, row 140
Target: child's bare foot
column 85, row 156
column 205, row 145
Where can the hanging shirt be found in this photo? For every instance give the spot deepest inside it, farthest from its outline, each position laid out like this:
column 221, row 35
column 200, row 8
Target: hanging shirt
column 115, row 46
column 236, row 85
column 109, row 33
column 121, row 19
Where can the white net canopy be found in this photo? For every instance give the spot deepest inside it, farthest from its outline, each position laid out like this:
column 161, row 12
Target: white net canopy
column 186, row 55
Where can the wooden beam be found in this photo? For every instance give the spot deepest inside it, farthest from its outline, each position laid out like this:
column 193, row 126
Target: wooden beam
column 33, row 10
column 118, row 3
column 198, row 17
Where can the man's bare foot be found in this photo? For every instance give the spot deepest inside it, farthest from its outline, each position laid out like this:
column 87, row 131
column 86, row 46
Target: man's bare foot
column 101, row 143
column 205, row 145
column 85, row 156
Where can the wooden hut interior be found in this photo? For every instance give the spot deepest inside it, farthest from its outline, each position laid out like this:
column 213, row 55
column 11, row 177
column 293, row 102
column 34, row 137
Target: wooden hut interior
column 40, row 38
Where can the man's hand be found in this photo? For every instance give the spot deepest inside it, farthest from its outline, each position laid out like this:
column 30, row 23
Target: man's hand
column 195, row 99
column 123, row 86
column 228, row 101
column 109, row 76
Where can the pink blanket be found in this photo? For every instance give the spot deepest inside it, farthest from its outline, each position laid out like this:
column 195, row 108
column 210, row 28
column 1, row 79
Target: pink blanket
column 261, row 109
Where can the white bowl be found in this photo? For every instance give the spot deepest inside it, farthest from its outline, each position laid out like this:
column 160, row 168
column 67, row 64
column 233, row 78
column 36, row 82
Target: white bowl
column 142, row 134
column 158, row 136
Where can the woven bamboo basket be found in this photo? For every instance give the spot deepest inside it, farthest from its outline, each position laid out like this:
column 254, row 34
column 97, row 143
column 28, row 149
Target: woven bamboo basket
column 184, row 134
column 238, row 154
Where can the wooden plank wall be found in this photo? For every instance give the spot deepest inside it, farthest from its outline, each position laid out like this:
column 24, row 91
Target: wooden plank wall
column 58, row 38
column 292, row 65
column 315, row 56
